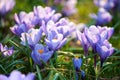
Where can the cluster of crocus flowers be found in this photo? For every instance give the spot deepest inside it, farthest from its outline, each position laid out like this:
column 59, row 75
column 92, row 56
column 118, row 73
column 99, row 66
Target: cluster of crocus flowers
column 103, row 16
column 107, row 4
column 97, row 37
column 5, row 50
column 43, row 24
column 16, row 75
column 6, row 6
column 39, row 15
column 77, row 62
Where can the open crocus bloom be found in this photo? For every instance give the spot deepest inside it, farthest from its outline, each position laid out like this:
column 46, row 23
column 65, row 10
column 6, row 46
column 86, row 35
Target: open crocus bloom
column 16, row 75
column 6, row 51
column 65, row 27
column 109, row 31
column 41, row 53
column 104, row 50
column 24, row 22
column 55, row 40
column 33, row 36
column 97, row 34
column 45, row 14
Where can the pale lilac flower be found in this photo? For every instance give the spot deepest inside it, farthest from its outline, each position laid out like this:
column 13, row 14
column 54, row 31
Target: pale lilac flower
column 32, row 37
column 24, row 22
column 104, row 49
column 102, row 17
column 65, row 27
column 92, row 35
column 106, row 31
column 16, row 75
column 41, row 53
column 98, row 38
column 83, row 40
column 107, row 4
column 55, row 40
column 45, row 14
column 69, row 7
column 49, row 26
column 97, row 34
column 6, row 6
column 5, row 50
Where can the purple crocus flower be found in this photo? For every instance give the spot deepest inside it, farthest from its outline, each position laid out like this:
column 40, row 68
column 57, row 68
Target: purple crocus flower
column 5, row 50
column 92, row 35
column 55, row 40
column 6, row 6
column 105, row 30
column 24, row 22
column 102, row 17
column 97, row 34
column 77, row 64
column 107, row 4
column 69, row 7
column 45, row 14
column 84, row 42
column 65, row 27
column 16, row 75
column 98, row 39
column 41, row 52
column 104, row 49
column 33, row 36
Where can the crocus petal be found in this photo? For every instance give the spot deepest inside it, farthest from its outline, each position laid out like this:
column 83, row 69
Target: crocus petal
column 2, row 77
column 77, row 63
column 16, row 75
column 30, row 76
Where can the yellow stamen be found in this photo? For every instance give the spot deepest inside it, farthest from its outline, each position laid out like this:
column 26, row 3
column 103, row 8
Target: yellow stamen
column 40, row 51
column 30, row 34
column 76, row 57
column 78, row 42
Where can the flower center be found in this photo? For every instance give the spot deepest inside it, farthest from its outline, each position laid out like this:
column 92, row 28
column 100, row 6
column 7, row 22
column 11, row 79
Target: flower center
column 40, row 51
column 54, row 39
column 76, row 57
column 30, row 34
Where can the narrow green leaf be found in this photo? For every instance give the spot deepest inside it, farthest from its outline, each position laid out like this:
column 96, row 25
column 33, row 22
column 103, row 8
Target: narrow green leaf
column 56, row 76
column 38, row 72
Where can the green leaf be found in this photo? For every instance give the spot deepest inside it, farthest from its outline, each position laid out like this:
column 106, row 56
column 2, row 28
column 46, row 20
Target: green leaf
column 38, row 72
